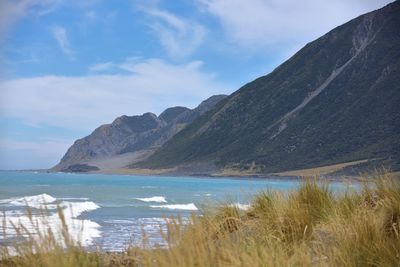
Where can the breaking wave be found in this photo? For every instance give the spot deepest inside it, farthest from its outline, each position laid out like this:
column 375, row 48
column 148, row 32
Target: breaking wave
column 158, row 199
column 81, row 230
column 190, row 206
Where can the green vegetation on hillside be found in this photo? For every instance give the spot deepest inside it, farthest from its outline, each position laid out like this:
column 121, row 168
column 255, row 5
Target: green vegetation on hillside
column 268, row 122
column 310, row 226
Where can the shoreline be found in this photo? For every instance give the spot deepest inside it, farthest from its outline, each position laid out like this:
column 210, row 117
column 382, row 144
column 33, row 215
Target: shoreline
column 326, row 172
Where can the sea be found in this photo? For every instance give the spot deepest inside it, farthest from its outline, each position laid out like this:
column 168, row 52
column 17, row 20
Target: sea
column 112, row 212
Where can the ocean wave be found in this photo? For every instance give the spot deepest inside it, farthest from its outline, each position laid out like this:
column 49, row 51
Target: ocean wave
column 130, row 232
column 119, row 221
column 36, row 201
column 74, row 209
column 140, row 221
column 73, row 198
column 190, row 206
column 203, row 195
column 9, row 213
column 82, row 231
column 159, row 199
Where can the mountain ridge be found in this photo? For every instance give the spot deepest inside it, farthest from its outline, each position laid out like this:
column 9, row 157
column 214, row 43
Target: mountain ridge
column 136, row 135
column 349, row 77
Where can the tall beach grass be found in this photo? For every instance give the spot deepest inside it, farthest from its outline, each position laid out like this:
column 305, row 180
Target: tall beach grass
column 310, row 226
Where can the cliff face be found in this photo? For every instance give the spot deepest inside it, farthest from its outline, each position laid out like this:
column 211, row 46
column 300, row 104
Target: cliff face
column 336, row 100
column 131, row 134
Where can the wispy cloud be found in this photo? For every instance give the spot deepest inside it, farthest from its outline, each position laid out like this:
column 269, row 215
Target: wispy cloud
column 11, row 11
column 256, row 24
column 60, row 34
column 180, row 37
column 84, row 102
column 101, row 67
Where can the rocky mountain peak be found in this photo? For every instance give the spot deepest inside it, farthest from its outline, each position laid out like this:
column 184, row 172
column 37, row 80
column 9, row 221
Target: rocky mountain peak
column 171, row 114
column 130, row 134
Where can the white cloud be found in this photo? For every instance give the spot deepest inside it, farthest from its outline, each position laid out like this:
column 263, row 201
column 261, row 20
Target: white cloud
column 85, row 102
column 60, row 34
column 258, row 24
column 80, row 104
column 11, row 11
column 180, row 37
column 100, row 67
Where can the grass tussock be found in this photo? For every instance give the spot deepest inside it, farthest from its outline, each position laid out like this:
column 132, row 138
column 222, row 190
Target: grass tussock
column 310, row 226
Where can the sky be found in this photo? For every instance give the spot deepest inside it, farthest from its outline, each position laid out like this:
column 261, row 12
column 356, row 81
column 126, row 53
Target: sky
column 66, row 67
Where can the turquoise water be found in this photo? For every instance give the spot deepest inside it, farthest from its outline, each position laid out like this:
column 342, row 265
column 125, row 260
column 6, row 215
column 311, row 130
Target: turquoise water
column 114, row 209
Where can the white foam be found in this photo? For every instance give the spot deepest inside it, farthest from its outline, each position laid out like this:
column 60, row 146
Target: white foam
column 36, row 201
column 190, row 206
column 74, row 209
column 205, row 195
column 13, row 212
column 158, row 199
column 73, row 198
column 130, row 232
column 82, row 231
column 119, row 221
column 241, row 206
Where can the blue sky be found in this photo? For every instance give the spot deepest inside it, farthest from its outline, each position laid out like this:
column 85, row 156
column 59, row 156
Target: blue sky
column 68, row 66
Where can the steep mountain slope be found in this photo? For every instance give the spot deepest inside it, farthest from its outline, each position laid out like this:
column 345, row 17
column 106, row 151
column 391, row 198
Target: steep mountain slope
column 130, row 138
column 336, row 100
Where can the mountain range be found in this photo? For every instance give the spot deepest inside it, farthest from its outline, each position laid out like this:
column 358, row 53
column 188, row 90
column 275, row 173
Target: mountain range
column 129, row 138
column 336, row 100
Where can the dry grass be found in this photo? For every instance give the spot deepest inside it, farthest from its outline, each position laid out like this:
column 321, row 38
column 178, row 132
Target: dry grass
column 256, row 172
column 324, row 170
column 137, row 171
column 310, row 226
